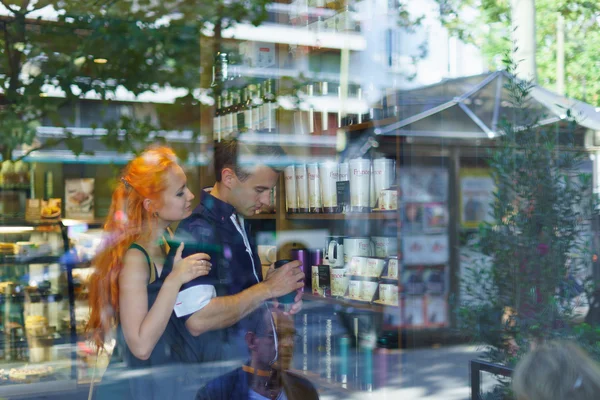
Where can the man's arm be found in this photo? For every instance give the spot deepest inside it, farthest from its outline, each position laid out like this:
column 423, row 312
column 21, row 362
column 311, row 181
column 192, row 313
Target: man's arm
column 225, row 311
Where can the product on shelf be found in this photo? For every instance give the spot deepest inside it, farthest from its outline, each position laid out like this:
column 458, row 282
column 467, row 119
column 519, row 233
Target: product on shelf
column 29, row 374
column 31, row 249
column 339, row 281
column 388, row 292
column 8, row 248
column 321, row 280
column 36, row 325
column 51, row 211
column 392, row 268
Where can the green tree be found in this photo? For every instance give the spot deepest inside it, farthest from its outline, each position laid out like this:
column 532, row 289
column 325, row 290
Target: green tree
column 519, row 293
column 148, row 45
column 487, row 24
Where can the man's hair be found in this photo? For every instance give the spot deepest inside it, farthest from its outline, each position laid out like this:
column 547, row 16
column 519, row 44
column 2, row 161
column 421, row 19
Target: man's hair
column 256, row 321
column 241, row 158
column 555, row 371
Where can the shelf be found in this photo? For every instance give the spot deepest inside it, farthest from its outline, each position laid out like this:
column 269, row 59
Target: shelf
column 387, row 215
column 362, row 305
column 8, row 261
column 370, row 124
column 22, row 222
column 18, row 187
column 263, row 216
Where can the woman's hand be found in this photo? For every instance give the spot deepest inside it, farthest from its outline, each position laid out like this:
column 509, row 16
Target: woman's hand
column 191, row 267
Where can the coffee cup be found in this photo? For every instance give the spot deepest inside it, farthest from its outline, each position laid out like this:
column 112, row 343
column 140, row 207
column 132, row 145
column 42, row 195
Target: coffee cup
column 383, row 174
column 375, row 267
column 335, row 251
column 392, row 268
column 388, row 292
column 358, row 266
column 288, row 298
column 291, row 197
column 388, row 200
column 354, row 289
column 314, row 188
column 385, row 246
column 360, row 184
column 302, row 187
column 339, row 282
column 368, row 288
column 328, row 172
column 361, row 246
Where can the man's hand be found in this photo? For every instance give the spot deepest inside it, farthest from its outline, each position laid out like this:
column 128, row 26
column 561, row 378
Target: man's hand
column 285, row 279
column 297, row 306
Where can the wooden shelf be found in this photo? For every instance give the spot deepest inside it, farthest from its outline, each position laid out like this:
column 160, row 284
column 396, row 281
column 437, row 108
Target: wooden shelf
column 370, row 124
column 343, row 302
column 384, row 215
column 263, row 216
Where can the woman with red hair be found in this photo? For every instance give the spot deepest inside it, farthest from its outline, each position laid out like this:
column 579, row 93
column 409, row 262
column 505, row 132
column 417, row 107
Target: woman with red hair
column 130, row 289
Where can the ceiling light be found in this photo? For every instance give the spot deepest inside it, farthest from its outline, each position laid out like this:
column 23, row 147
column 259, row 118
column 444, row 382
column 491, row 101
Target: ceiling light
column 15, row 229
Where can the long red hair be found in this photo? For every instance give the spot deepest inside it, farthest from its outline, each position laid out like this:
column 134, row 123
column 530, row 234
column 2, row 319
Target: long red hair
column 128, row 221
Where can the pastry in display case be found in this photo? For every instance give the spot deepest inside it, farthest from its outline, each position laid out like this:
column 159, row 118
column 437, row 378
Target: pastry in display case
column 36, row 293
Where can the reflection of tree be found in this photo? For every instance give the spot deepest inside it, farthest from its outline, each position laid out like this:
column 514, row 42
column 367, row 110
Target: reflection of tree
column 102, row 46
column 535, row 238
column 493, row 24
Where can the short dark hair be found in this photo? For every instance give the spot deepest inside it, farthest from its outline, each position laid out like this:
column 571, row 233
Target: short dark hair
column 228, row 154
column 256, row 321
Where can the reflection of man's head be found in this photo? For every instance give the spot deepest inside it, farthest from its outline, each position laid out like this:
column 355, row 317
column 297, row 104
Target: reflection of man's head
column 261, row 338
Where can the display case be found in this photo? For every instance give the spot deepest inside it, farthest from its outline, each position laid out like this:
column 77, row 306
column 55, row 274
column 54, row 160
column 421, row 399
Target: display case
column 36, row 341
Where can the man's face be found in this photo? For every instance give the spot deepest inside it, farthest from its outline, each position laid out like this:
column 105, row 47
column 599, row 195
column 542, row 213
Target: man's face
column 255, row 192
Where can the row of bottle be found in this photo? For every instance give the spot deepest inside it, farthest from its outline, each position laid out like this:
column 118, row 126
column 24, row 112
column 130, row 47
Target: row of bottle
column 249, row 109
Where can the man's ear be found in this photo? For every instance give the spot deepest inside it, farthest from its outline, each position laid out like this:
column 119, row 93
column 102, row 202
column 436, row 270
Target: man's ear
column 147, row 204
column 251, row 340
column 228, row 177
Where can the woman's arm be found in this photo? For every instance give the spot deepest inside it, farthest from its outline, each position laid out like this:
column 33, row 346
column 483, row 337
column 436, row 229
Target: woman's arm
column 142, row 327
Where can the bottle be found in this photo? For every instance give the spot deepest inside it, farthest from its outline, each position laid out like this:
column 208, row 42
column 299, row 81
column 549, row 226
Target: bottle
column 217, row 121
column 247, row 110
column 271, row 106
column 239, row 110
column 230, row 115
column 256, row 112
column 264, row 108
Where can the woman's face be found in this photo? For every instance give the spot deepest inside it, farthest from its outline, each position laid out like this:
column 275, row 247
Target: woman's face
column 176, row 197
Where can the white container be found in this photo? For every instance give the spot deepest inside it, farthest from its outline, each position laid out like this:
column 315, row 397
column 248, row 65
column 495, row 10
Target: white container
column 368, row 288
column 291, row 197
column 388, row 200
column 302, row 187
column 360, row 184
column 328, row 172
column 388, row 293
column 383, row 175
column 354, row 289
column 385, row 246
column 392, row 271
column 314, row 188
column 357, row 246
column 375, row 267
column 358, row 266
column 339, row 282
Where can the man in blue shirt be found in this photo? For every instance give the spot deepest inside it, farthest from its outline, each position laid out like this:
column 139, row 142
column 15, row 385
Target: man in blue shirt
column 258, row 379
column 213, row 305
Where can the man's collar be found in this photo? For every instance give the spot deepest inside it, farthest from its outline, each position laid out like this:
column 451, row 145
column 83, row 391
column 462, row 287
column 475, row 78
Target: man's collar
column 220, row 209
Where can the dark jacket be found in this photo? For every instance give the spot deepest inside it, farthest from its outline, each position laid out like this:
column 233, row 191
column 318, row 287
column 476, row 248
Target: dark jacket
column 236, row 266
column 234, row 386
